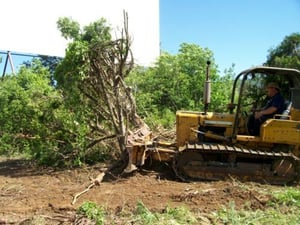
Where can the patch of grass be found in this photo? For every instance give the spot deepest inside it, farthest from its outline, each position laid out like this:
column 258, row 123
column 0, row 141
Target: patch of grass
column 144, row 215
column 283, row 208
column 275, row 216
column 92, row 211
column 289, row 196
column 174, row 216
column 140, row 216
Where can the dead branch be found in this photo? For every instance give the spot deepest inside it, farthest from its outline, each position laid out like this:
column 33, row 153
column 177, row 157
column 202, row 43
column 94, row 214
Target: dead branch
column 60, row 218
column 94, row 182
column 94, row 142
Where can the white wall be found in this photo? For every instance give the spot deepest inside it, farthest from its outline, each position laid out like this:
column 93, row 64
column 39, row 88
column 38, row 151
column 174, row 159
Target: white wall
column 30, row 26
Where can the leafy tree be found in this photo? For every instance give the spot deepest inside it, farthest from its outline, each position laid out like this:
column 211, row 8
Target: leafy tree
column 47, row 61
column 287, row 53
column 72, row 71
column 176, row 82
column 69, row 28
column 221, row 91
column 74, row 66
column 50, row 62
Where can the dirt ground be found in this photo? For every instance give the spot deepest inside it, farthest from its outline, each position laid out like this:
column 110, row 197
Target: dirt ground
column 27, row 192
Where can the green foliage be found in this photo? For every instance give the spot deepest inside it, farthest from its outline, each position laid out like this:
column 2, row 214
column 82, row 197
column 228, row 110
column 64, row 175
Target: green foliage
column 221, row 91
column 97, row 31
column 35, row 120
column 75, row 66
column 283, row 208
column 178, row 215
column 290, row 197
column 231, row 215
column 144, row 214
column 165, row 118
column 141, row 215
column 92, row 211
column 176, row 82
column 287, row 53
column 276, row 216
column 69, row 28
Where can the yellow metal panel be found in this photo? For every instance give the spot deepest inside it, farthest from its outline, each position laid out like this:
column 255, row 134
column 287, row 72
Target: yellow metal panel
column 248, row 138
column 186, row 122
column 219, row 119
column 281, row 131
column 295, row 114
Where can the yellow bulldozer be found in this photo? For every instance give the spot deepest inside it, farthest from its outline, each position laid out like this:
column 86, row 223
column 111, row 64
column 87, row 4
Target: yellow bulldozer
column 215, row 146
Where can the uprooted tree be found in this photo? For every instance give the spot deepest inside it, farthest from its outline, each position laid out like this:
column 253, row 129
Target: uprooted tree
column 110, row 63
column 92, row 74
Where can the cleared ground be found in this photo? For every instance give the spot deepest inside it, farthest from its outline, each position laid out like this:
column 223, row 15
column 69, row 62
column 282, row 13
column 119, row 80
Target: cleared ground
column 28, row 192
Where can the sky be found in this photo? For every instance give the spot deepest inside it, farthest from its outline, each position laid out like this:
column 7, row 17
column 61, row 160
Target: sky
column 239, row 32
column 236, row 31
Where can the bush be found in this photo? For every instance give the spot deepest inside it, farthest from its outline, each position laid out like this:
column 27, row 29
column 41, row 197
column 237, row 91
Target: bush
column 35, row 120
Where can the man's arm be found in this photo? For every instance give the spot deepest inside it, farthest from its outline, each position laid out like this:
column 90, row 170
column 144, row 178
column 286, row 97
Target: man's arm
column 267, row 111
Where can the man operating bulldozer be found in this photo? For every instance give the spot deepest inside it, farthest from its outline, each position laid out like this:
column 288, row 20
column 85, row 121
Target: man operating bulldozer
column 274, row 105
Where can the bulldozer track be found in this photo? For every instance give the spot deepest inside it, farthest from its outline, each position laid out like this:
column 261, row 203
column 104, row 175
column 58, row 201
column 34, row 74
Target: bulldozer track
column 209, row 161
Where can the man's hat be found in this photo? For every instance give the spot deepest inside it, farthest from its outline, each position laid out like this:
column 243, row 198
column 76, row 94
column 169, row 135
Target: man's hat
column 273, row 85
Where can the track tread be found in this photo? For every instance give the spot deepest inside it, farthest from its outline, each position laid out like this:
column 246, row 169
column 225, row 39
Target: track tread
column 238, row 151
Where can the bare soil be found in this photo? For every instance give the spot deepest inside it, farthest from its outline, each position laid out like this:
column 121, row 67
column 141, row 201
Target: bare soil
column 28, row 191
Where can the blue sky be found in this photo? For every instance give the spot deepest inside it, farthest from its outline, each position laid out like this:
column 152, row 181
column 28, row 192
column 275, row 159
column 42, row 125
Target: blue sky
column 237, row 31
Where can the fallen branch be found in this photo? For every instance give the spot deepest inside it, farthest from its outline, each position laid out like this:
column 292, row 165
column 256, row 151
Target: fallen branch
column 94, row 182
column 60, row 218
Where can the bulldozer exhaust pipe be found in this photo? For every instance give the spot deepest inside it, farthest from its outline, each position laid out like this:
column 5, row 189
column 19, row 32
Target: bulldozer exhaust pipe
column 207, row 88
